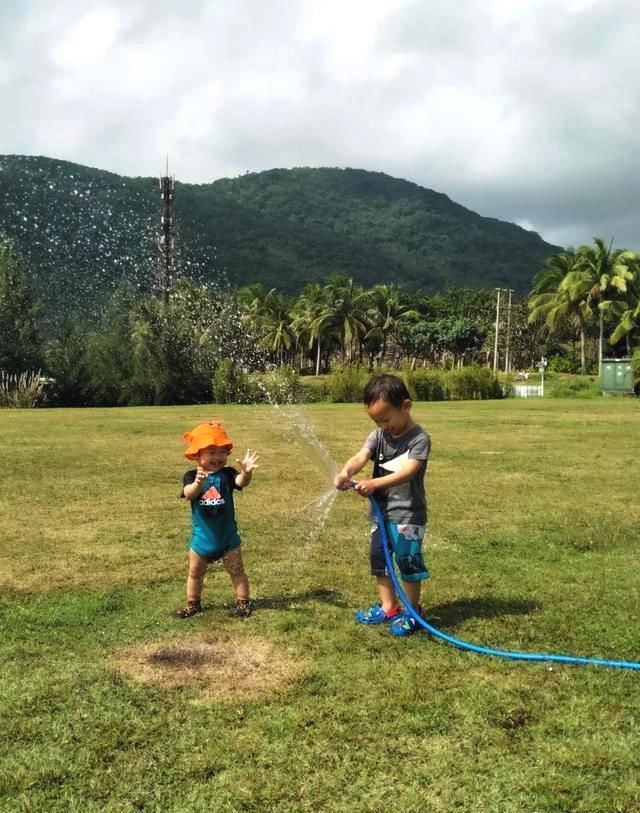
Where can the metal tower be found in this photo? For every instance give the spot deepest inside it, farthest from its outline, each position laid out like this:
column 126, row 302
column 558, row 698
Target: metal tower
column 166, row 240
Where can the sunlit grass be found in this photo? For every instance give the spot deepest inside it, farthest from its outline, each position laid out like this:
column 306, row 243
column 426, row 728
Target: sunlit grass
column 532, row 545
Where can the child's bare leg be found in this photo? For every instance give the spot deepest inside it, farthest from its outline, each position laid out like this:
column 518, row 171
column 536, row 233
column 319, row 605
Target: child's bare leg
column 197, row 569
column 412, row 592
column 235, row 568
column 387, row 593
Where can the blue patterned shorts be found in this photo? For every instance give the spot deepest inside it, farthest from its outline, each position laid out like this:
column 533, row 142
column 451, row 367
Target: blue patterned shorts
column 406, row 546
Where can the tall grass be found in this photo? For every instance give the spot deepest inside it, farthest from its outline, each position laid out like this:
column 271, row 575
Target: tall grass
column 21, row 390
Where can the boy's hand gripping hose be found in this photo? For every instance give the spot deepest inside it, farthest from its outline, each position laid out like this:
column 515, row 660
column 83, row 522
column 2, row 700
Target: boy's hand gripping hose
column 481, row 650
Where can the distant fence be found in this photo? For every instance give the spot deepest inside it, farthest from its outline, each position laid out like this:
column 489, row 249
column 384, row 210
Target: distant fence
column 527, row 390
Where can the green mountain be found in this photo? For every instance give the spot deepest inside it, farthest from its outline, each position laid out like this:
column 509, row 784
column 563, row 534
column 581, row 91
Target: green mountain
column 82, row 230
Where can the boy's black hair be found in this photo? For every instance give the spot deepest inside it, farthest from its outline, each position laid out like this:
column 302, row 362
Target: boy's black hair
column 388, row 387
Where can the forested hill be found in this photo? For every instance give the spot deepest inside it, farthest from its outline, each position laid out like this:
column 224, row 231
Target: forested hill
column 81, row 230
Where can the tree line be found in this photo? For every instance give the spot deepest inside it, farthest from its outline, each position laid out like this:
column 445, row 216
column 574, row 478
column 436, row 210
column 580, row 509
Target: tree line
column 590, row 290
column 381, row 325
column 142, row 351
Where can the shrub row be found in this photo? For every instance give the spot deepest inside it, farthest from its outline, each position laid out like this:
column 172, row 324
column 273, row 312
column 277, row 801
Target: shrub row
column 579, row 387
column 345, row 384
column 471, row 383
column 233, row 385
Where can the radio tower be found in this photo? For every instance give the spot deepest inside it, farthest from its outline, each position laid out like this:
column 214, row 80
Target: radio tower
column 166, row 239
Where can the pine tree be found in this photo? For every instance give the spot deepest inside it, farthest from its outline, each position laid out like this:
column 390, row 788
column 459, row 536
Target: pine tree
column 20, row 347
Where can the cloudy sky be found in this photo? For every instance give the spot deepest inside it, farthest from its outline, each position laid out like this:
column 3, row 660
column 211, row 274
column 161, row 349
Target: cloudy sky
column 525, row 110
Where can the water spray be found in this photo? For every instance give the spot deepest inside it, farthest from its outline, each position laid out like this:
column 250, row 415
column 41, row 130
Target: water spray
column 465, row 645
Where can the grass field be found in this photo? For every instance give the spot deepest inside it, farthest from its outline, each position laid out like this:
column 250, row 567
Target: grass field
column 107, row 703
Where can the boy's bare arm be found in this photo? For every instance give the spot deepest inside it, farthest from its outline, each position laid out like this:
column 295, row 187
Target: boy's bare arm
column 396, row 478
column 193, row 489
column 352, row 466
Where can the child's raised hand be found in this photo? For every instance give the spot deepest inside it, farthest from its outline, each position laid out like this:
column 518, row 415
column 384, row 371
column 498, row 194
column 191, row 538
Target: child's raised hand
column 201, row 475
column 250, row 461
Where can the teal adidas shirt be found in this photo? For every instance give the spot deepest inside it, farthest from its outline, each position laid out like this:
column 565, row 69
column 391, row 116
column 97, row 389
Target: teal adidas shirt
column 213, row 515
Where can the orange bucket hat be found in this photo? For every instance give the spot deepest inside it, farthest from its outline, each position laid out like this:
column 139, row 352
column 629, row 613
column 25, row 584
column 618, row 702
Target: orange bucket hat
column 206, row 434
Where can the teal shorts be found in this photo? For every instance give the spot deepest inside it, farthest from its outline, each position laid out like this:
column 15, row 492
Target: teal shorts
column 406, row 547
column 213, row 549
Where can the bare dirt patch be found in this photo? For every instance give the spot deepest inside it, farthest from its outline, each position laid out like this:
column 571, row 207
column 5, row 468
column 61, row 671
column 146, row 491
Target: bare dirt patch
column 220, row 667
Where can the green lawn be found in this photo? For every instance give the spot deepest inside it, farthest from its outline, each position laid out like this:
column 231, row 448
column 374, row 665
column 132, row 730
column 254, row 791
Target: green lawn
column 532, row 545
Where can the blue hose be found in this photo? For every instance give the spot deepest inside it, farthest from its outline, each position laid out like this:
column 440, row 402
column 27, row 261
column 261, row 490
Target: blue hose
column 481, row 650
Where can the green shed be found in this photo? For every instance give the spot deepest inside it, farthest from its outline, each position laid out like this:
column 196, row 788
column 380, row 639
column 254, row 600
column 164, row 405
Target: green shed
column 616, row 375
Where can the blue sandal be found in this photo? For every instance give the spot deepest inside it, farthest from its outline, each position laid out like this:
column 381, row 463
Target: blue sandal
column 376, row 615
column 404, row 625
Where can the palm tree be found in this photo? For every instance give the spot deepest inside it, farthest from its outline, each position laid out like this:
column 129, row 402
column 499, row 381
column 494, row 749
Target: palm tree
column 388, row 314
column 628, row 307
column 250, row 300
column 558, row 295
column 275, row 321
column 313, row 317
column 348, row 304
column 600, row 268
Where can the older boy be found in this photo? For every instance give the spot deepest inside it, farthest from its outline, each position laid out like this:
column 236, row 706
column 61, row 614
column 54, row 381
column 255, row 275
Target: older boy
column 400, row 449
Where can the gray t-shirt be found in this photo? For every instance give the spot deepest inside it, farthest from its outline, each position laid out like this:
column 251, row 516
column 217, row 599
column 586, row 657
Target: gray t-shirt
column 406, row 503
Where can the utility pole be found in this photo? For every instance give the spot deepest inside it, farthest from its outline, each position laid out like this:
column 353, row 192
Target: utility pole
column 166, row 239
column 507, row 360
column 495, row 345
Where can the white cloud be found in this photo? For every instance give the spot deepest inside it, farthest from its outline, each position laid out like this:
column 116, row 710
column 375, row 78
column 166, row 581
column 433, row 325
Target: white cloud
column 527, row 110
column 88, row 40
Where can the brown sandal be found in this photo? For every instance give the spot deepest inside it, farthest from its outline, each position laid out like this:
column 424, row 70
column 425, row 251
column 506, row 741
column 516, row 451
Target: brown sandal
column 243, row 608
column 192, row 608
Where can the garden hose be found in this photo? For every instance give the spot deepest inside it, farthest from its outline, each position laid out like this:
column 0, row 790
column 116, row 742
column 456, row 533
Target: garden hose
column 465, row 645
